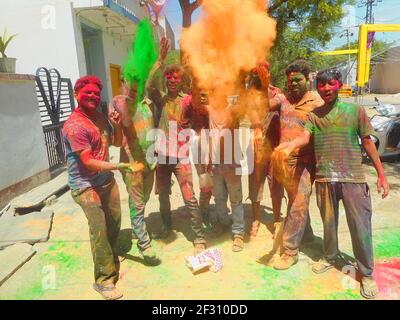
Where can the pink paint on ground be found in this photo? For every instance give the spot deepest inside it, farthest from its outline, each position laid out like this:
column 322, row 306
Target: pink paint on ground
column 387, row 276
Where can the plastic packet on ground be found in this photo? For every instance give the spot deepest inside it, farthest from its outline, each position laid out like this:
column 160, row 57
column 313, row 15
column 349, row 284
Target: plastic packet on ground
column 210, row 258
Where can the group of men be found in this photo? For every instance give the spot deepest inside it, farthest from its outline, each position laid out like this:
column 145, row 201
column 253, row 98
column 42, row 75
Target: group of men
column 299, row 137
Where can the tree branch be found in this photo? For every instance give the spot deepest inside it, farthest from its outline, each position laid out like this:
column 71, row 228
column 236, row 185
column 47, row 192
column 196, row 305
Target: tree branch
column 276, row 5
column 196, row 4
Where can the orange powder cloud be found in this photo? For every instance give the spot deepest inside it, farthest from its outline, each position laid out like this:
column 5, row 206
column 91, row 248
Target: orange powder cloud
column 230, row 36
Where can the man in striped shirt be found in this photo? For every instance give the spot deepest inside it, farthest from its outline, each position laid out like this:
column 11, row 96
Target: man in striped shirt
column 336, row 128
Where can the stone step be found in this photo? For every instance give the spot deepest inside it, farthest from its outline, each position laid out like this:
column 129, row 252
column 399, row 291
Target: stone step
column 30, row 228
column 14, row 257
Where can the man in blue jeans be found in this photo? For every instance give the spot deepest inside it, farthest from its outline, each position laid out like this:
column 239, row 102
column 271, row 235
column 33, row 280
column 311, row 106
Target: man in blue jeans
column 226, row 178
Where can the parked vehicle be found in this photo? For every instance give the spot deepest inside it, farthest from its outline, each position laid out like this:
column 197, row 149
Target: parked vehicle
column 387, row 128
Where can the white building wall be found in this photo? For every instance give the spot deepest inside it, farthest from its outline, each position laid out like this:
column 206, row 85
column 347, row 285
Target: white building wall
column 45, row 35
column 115, row 52
column 22, row 144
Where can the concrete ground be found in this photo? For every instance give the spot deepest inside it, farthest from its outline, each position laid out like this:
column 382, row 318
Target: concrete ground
column 63, row 268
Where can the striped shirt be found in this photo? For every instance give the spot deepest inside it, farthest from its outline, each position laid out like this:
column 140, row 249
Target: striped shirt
column 336, row 133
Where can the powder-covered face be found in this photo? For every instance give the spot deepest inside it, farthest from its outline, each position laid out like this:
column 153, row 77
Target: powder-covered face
column 173, row 80
column 297, row 84
column 89, row 97
column 329, row 90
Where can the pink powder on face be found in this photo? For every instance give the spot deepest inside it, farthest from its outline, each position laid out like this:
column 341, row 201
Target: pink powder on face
column 329, row 91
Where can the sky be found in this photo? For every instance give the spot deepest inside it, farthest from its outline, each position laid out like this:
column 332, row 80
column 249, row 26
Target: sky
column 388, row 11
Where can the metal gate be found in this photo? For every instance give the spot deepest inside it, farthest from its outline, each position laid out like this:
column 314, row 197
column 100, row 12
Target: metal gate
column 56, row 103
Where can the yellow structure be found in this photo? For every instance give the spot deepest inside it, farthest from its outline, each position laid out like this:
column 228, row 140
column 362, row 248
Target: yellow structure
column 364, row 54
column 339, row 52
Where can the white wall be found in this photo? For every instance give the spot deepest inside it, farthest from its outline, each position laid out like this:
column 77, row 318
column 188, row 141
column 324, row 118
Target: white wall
column 22, row 145
column 45, row 35
column 115, row 52
column 385, row 77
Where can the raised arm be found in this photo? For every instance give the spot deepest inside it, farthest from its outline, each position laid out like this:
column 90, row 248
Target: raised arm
column 115, row 121
column 163, row 51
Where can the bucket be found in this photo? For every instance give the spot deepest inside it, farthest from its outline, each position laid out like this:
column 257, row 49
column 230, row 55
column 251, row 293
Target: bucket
column 7, row 65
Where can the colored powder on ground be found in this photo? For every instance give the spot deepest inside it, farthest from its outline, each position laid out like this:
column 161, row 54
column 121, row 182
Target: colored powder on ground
column 141, row 57
column 34, row 292
column 387, row 276
column 63, row 254
column 387, row 244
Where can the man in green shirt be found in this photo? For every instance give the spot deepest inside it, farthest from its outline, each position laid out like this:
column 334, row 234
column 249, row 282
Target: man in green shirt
column 336, row 128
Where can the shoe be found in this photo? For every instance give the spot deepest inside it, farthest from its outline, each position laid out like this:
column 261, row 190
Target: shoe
column 368, row 288
column 199, row 248
column 150, row 257
column 238, row 243
column 322, row 266
column 285, row 261
column 108, row 292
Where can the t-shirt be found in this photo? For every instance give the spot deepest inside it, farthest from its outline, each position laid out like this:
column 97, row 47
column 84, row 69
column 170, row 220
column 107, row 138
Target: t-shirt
column 223, row 121
column 292, row 120
column 173, row 111
column 137, row 129
column 336, row 141
column 79, row 133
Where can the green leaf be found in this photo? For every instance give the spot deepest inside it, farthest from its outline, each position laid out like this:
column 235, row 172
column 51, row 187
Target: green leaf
column 9, row 39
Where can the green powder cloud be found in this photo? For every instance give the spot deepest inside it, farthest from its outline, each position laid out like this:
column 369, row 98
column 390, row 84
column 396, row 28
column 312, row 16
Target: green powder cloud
column 141, row 57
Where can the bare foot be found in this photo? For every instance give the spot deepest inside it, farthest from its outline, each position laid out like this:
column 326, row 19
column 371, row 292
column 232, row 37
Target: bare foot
column 254, row 228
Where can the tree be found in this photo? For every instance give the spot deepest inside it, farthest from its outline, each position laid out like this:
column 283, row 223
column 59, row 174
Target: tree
column 303, row 29
column 188, row 8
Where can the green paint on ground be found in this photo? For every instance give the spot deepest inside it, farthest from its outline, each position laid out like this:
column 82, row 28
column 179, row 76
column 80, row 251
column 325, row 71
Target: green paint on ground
column 34, row 292
column 387, row 244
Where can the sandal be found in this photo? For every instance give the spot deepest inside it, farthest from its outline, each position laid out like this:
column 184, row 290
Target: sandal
column 150, row 256
column 321, row 266
column 238, row 244
column 109, row 292
column 368, row 288
column 199, row 248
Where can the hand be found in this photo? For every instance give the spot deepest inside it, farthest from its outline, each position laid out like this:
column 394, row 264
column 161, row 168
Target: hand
column 382, row 183
column 263, row 74
column 203, row 98
column 258, row 135
column 131, row 167
column 114, row 117
column 163, row 51
column 284, row 149
column 125, row 167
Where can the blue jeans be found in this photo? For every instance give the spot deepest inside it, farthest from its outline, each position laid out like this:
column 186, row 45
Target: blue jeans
column 226, row 182
column 139, row 186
